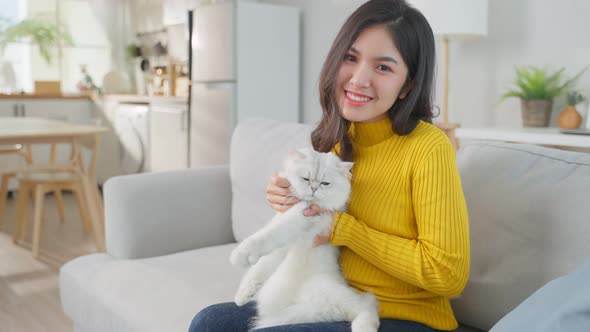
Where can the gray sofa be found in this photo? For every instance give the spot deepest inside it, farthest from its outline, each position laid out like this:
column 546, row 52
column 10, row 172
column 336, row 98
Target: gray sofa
column 169, row 234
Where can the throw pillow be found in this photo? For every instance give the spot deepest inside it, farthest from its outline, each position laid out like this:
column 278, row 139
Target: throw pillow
column 563, row 304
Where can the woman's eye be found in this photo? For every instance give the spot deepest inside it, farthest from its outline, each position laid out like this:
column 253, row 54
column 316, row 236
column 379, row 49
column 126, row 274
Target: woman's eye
column 305, row 179
column 384, row 68
column 325, row 183
column 350, row 57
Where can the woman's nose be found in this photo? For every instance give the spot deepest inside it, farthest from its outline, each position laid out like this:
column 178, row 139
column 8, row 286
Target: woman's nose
column 361, row 77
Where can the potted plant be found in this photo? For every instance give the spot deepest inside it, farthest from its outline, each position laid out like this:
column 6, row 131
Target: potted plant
column 569, row 118
column 37, row 31
column 537, row 87
column 41, row 32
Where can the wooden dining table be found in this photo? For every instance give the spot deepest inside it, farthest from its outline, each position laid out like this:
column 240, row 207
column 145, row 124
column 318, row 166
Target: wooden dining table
column 28, row 131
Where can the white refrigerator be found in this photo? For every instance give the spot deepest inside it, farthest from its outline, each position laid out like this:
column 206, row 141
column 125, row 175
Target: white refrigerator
column 244, row 62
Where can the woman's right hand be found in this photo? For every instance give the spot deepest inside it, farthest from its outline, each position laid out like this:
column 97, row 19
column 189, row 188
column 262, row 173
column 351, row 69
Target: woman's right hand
column 278, row 195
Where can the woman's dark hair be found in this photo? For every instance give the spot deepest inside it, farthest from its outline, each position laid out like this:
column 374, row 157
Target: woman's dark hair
column 413, row 37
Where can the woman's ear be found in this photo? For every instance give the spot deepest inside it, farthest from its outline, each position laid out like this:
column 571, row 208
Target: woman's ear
column 406, row 89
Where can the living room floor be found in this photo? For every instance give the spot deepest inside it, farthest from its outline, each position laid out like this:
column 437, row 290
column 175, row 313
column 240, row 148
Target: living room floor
column 29, row 288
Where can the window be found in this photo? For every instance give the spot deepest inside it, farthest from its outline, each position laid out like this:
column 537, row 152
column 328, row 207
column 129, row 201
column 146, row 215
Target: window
column 16, row 55
column 91, row 45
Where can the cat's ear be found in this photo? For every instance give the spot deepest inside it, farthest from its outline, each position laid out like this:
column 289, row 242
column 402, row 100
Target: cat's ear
column 345, row 168
column 296, row 155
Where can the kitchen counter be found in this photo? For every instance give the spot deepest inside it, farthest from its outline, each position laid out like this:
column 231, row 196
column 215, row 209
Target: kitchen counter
column 43, row 96
column 123, row 98
column 144, row 99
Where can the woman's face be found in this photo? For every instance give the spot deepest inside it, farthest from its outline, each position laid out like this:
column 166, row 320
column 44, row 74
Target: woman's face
column 371, row 77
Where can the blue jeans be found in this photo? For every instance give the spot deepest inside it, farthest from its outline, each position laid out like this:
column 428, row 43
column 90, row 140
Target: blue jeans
column 228, row 317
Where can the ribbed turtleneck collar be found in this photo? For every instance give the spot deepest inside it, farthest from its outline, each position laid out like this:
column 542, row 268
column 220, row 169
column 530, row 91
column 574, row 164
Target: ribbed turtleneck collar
column 368, row 134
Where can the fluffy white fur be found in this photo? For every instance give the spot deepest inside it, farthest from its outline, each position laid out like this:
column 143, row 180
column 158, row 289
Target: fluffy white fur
column 292, row 281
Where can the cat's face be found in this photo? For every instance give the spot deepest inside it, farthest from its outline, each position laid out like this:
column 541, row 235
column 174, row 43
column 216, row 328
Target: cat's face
column 319, row 177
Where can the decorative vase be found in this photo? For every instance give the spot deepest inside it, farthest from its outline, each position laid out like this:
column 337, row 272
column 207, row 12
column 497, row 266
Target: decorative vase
column 536, row 112
column 569, row 118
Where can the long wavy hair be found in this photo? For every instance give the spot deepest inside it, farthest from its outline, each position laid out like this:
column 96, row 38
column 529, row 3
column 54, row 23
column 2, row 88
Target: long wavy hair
column 413, row 37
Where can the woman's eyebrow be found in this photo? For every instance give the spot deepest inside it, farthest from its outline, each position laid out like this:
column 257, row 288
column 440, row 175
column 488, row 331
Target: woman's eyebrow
column 381, row 58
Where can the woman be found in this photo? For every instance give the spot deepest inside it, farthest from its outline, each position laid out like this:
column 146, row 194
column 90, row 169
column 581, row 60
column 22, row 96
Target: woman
column 405, row 234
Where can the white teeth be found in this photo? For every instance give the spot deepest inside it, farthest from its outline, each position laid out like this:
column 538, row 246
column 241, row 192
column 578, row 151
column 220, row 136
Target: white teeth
column 357, row 98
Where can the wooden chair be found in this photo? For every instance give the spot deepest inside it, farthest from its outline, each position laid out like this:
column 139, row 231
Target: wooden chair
column 72, row 178
column 7, row 174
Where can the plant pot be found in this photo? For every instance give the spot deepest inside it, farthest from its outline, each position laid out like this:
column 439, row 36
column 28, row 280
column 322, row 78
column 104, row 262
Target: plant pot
column 569, row 118
column 536, row 112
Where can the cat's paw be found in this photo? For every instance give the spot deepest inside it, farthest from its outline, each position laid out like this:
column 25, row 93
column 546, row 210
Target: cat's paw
column 365, row 322
column 239, row 257
column 243, row 256
column 253, row 258
column 246, row 293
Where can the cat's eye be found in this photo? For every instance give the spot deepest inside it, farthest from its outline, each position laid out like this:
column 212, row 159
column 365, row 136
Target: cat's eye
column 325, row 183
column 305, row 179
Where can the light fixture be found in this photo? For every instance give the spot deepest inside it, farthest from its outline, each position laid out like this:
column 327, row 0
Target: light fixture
column 453, row 19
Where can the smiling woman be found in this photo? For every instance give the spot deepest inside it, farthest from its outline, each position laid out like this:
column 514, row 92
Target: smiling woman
column 405, row 234
column 392, row 59
column 370, row 79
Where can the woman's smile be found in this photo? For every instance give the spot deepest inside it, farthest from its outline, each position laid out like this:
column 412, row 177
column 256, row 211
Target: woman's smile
column 356, row 99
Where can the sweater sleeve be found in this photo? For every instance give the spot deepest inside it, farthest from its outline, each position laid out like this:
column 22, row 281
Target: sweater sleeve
column 438, row 259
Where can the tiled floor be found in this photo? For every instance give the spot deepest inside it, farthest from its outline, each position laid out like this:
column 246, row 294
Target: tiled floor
column 29, row 293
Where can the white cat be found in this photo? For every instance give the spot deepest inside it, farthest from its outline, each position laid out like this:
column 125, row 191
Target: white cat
column 291, row 280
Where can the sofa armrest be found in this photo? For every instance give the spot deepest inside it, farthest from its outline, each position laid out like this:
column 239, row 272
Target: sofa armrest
column 154, row 214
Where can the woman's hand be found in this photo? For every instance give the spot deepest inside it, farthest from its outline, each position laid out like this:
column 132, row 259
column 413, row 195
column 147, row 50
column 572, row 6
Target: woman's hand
column 278, row 195
column 320, row 239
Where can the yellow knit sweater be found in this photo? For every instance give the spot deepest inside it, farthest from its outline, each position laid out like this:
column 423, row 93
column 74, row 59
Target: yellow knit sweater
column 405, row 236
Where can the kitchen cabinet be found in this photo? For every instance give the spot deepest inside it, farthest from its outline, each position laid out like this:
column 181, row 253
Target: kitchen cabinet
column 161, row 138
column 69, row 110
column 168, row 136
column 9, row 108
column 75, row 110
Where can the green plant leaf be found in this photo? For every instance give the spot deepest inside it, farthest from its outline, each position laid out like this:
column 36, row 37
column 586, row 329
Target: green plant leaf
column 38, row 31
column 512, row 94
column 539, row 83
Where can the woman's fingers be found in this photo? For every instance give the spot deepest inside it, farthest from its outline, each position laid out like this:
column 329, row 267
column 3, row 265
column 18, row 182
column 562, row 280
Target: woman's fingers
column 277, row 191
column 278, row 181
column 312, row 211
column 320, row 239
column 278, row 195
column 280, row 208
column 278, row 186
column 281, row 200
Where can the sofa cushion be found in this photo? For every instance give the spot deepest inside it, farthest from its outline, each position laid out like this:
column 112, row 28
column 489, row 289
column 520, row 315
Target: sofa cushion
column 258, row 148
column 528, row 212
column 561, row 305
column 152, row 294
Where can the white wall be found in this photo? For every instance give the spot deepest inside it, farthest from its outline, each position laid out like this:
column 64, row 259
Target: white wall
column 321, row 21
column 535, row 32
